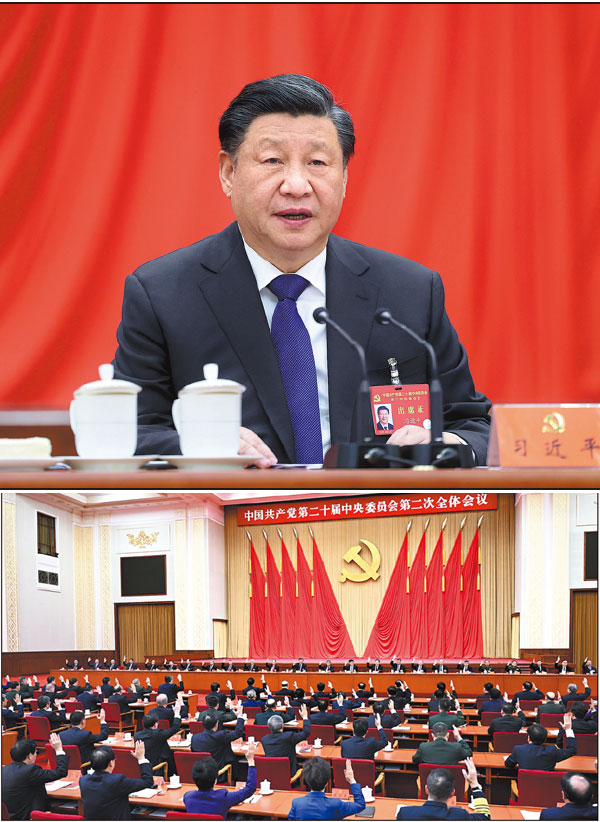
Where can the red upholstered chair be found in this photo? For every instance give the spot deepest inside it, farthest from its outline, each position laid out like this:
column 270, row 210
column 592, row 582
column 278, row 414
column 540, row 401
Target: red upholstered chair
column 117, row 721
column 195, row 727
column 72, row 751
column 479, row 701
column 349, row 714
column 277, row 770
column 251, row 712
column 183, row 815
column 587, row 744
column 47, row 815
column 530, row 704
column 572, row 702
column 38, row 730
column 326, row 733
column 551, row 720
column 71, row 705
column 487, row 716
column 541, row 788
column 505, row 741
column 163, row 725
column 127, row 764
column 389, row 732
column 184, row 763
column 364, row 772
column 455, row 770
column 257, row 731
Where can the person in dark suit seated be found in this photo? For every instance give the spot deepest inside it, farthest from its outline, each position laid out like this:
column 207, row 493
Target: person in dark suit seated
column 250, row 665
column 351, row 666
column 55, row 717
column 418, row 667
column 250, row 685
column 587, row 667
column 76, row 666
column 229, row 666
column 270, row 709
column 529, row 693
column 285, row 690
column 138, row 689
column 96, row 665
column 536, row 756
column 400, row 697
column 315, row 805
column 439, row 667
column 110, row 666
column 214, row 801
column 12, row 719
column 579, row 723
column 186, row 666
column 323, row 717
column 389, row 721
column 155, row 740
column 218, row 743
column 251, row 701
column 164, row 711
column 508, row 722
column 322, row 693
column 151, row 666
column 537, row 667
column 281, row 742
column 551, row 705
column 485, row 667
column 374, row 667
column 464, row 667
column 170, row 688
column 441, row 797
column 442, row 751
column 75, row 686
column 448, row 719
column 433, row 706
column 85, row 740
column 131, row 665
column 327, row 667
column 222, row 715
column 91, row 701
column 562, row 667
column 361, row 690
column 487, row 687
column 106, row 688
column 511, row 667
column 52, row 689
column 577, row 793
column 23, row 782
column 222, row 696
column 383, row 419
column 345, row 702
column 272, row 666
column 25, row 689
column 397, row 666
column 494, row 703
column 300, row 666
column 360, row 746
column 122, row 699
column 573, row 695
column 105, row 794
column 300, row 699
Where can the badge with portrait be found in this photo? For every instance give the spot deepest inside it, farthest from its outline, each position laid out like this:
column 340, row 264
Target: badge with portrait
column 394, row 406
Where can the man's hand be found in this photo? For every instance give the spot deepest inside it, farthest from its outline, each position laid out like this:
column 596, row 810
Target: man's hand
column 179, row 677
column 340, row 700
column 286, row 701
column 55, row 742
column 414, row 434
column 378, row 721
column 303, row 711
column 238, row 710
column 517, row 706
column 140, row 750
column 228, row 704
column 456, row 733
column 102, row 715
column 251, row 443
column 370, row 682
column 567, row 724
column 229, row 685
column 250, row 753
column 312, row 691
column 148, row 681
column 17, row 699
column 349, row 773
column 470, row 774
column 585, row 682
column 330, row 686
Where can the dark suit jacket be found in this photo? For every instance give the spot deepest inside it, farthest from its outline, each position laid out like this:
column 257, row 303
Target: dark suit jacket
column 388, row 427
column 527, row 696
column 439, row 810
column 218, row 743
column 105, row 795
column 318, row 718
column 23, row 788
column 284, row 744
column 387, row 721
column 263, row 717
column 171, row 689
column 508, row 724
column 451, row 720
column 550, row 708
column 11, row 718
column 90, row 700
column 578, row 697
column 55, row 718
column 123, row 701
column 84, row 739
column 157, row 747
column 210, row 286
column 580, row 726
column 570, row 811
column 440, row 752
column 540, row 757
column 361, row 747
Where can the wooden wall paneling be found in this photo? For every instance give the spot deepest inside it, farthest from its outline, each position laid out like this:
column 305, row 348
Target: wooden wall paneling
column 36, row 662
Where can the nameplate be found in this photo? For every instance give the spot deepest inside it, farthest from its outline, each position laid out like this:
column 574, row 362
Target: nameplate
column 545, row 436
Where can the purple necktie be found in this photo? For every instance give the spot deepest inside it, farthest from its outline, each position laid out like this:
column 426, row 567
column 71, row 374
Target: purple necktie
column 297, row 365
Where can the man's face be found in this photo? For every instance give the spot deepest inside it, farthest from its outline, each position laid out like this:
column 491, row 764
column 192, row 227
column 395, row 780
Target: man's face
column 383, row 416
column 286, row 185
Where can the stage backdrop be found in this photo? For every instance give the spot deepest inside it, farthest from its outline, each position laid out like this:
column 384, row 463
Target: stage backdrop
column 478, row 154
column 359, row 602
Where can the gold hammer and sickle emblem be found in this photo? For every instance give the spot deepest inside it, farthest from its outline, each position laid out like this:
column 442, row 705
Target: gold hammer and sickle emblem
column 554, row 424
column 369, row 569
column 377, row 397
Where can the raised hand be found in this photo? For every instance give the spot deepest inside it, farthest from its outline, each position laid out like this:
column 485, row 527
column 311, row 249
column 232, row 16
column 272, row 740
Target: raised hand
column 140, row 750
column 349, row 773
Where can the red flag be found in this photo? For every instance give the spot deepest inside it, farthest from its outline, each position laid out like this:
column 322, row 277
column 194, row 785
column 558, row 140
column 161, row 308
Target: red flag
column 435, row 622
column 453, row 615
column 256, row 645
column 288, row 605
column 391, row 632
column 418, row 624
column 471, row 602
column 330, row 636
column 273, row 607
column 304, row 603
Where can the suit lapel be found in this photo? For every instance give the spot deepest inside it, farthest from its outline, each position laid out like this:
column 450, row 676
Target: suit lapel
column 351, row 300
column 234, row 299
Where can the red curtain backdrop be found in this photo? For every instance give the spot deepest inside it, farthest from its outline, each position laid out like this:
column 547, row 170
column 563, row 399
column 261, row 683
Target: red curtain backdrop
column 288, row 600
column 418, row 615
column 257, row 646
column 273, row 607
column 330, row 637
column 391, row 632
column 453, row 614
column 303, row 624
column 471, row 602
column 478, row 154
column 435, row 619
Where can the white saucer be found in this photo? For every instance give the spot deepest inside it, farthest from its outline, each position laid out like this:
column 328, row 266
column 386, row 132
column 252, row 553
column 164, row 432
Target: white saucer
column 266, row 793
column 27, row 463
column 106, row 463
column 209, row 463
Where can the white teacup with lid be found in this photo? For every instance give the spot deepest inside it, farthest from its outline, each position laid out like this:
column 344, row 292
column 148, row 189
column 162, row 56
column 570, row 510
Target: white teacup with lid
column 104, row 416
column 208, row 416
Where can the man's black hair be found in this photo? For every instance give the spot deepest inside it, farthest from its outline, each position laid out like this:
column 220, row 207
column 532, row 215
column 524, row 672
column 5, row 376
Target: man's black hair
column 439, row 729
column 577, row 794
column 43, row 701
column 320, row 686
column 250, row 680
column 488, row 686
column 21, row 750
column 527, row 686
column 204, row 773
column 168, row 678
column 316, row 773
column 537, row 734
column 392, row 690
column 101, row 758
column 322, row 705
column 440, row 785
column 378, row 707
column 444, row 705
column 382, row 408
column 150, row 719
column 105, row 680
column 441, row 686
column 360, row 726
column 214, row 686
column 579, row 710
column 439, row 694
column 508, row 708
column 209, row 721
column 292, row 94
column 495, row 693
column 77, row 718
column 212, row 700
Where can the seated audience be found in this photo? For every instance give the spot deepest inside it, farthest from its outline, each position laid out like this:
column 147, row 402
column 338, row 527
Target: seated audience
column 535, row 755
column 106, row 688
column 529, row 693
column 580, row 722
column 508, row 722
column 387, row 721
column 215, row 689
column 550, row 705
column 122, row 699
column 11, row 718
column 155, row 740
column 315, row 805
column 209, row 799
column 25, row 689
column 360, row 746
column 85, row 740
column 448, row 719
column 23, row 782
column 573, row 695
column 91, row 701
column 361, row 690
column 442, row 751
column 322, row 715
column 433, row 706
column 577, row 793
column 105, row 794
column 218, row 743
column 212, row 709
column 345, row 702
column 138, row 689
column 494, row 703
column 56, row 717
column 285, row 690
column 251, row 701
column 170, row 688
column 263, row 717
column 441, row 797
column 280, row 742
column 562, row 667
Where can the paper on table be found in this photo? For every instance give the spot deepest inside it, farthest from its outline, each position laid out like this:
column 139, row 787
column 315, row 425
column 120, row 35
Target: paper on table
column 145, row 793
column 56, row 786
column 530, row 814
column 252, row 799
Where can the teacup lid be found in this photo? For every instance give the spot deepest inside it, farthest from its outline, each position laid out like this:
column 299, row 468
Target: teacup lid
column 107, row 385
column 212, row 384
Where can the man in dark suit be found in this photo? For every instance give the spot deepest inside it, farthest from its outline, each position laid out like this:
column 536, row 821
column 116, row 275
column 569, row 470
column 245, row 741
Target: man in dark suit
column 222, row 715
column 441, row 751
column 587, row 667
column 577, row 793
column 316, row 773
column 281, row 742
column 399, row 696
column 321, row 693
column 562, row 667
column 397, row 666
column 270, row 709
column 383, row 419
column 122, row 699
column 374, row 667
column 138, row 689
column 387, row 721
column 222, row 696
column 433, row 706
column 85, row 740
column 485, row 667
column 91, row 701
column 25, row 689
column 494, row 703
column 250, row 665
column 163, row 711
column 106, row 688
column 151, row 666
column 155, row 740
column 251, row 700
column 272, row 666
column 285, row 690
column 361, row 747
column 362, row 692
column 537, row 667
column 111, row 666
column 131, row 665
column 23, row 782
column 439, row 667
column 511, row 667
column 508, row 722
column 573, row 695
column 104, row 793
column 11, row 718
column 440, row 792
column 536, row 756
column 351, row 666
column 551, row 705
column 418, row 667
column 56, row 718
column 322, row 716
column 529, row 693
column 300, row 666
column 221, row 285
column 326, row 667
column 464, row 667
column 448, row 719
column 186, row 666
column 170, row 688
column 579, row 723
column 218, row 743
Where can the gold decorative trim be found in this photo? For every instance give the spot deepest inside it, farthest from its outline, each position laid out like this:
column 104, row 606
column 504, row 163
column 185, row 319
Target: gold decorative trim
column 198, row 551
column 106, row 599
column 181, row 577
column 10, row 568
column 142, row 539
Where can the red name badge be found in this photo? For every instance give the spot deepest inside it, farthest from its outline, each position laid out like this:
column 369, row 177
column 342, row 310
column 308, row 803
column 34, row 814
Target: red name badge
column 394, row 406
